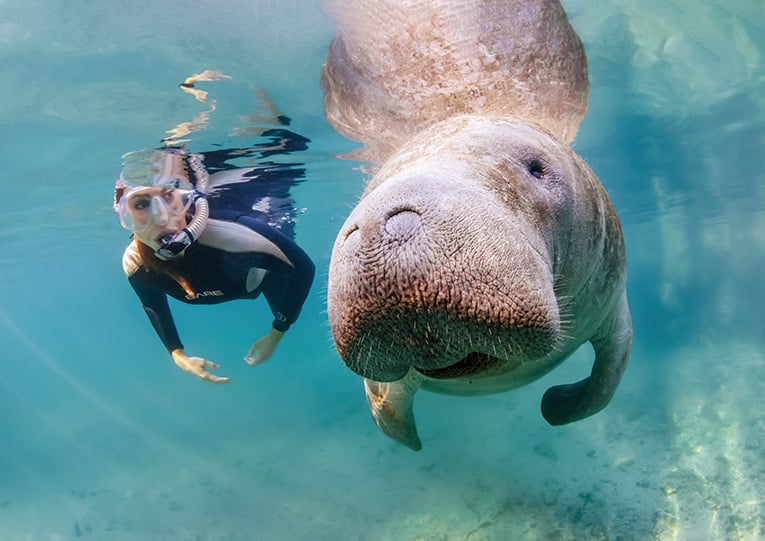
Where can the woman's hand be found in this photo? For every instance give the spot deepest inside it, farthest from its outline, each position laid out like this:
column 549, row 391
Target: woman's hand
column 197, row 366
column 264, row 347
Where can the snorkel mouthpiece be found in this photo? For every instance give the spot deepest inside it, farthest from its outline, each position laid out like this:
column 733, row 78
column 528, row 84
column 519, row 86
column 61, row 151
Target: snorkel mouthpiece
column 174, row 244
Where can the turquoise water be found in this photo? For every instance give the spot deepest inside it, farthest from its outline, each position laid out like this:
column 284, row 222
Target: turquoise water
column 102, row 437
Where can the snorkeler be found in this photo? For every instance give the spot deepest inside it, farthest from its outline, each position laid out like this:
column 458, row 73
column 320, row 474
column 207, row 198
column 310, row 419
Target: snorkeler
column 206, row 234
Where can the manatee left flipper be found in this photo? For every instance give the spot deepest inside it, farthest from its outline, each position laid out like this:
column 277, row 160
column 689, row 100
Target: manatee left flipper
column 564, row 404
column 391, row 405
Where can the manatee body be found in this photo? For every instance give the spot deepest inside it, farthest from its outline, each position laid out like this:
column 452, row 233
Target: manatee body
column 397, row 67
column 481, row 256
column 484, row 251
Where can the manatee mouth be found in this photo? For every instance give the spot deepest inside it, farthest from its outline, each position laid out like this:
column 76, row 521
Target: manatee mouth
column 386, row 349
column 472, row 363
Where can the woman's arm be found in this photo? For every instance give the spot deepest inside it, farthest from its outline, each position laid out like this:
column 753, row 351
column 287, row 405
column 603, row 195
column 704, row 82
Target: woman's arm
column 286, row 285
column 154, row 301
column 285, row 288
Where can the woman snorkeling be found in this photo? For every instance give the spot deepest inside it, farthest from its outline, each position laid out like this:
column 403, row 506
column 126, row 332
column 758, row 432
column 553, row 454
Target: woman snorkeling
column 211, row 233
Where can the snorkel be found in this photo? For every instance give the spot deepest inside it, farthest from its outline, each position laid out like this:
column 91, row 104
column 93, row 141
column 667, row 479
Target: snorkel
column 174, row 245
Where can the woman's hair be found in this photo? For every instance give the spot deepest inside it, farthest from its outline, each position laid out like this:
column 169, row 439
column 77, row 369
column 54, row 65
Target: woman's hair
column 153, row 264
column 119, row 191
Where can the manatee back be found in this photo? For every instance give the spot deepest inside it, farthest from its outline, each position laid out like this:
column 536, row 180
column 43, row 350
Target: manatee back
column 395, row 68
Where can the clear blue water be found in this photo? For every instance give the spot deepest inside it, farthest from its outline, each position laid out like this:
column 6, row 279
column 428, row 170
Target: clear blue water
column 102, row 437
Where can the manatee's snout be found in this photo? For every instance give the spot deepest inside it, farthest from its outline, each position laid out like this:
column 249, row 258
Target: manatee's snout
column 438, row 276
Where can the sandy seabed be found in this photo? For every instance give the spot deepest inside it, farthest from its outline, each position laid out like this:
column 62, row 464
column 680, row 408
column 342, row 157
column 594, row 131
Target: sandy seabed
column 677, row 456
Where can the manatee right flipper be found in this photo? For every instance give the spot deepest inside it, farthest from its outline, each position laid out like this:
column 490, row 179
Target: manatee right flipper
column 564, row 404
column 391, row 405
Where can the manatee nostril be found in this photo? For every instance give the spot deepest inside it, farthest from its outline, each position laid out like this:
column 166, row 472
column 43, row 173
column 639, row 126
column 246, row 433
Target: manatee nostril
column 351, row 230
column 403, row 223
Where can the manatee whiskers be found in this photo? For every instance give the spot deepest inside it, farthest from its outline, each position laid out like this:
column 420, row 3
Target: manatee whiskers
column 370, row 351
column 561, row 287
column 566, row 322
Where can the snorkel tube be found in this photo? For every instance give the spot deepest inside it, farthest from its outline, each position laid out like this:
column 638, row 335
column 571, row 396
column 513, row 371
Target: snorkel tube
column 173, row 245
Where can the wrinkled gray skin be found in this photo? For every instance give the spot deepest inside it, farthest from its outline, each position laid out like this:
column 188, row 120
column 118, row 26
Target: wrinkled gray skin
column 396, row 67
column 481, row 255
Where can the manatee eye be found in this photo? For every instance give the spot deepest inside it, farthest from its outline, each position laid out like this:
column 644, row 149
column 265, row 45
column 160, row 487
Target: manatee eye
column 535, row 168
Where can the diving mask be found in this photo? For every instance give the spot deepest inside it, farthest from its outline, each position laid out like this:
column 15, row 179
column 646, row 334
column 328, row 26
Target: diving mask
column 147, row 195
column 141, row 208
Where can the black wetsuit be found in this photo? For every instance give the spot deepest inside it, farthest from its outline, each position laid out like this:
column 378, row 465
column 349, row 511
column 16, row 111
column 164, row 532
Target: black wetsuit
column 246, row 249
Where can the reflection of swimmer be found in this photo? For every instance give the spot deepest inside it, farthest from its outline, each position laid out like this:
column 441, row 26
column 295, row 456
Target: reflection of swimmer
column 266, row 117
column 202, row 119
column 206, row 233
column 206, row 75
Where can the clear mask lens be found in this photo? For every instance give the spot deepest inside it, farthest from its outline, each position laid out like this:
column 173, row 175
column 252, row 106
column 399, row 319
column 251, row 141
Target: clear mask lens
column 140, row 211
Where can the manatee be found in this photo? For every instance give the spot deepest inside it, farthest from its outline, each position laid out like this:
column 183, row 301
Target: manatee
column 483, row 252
